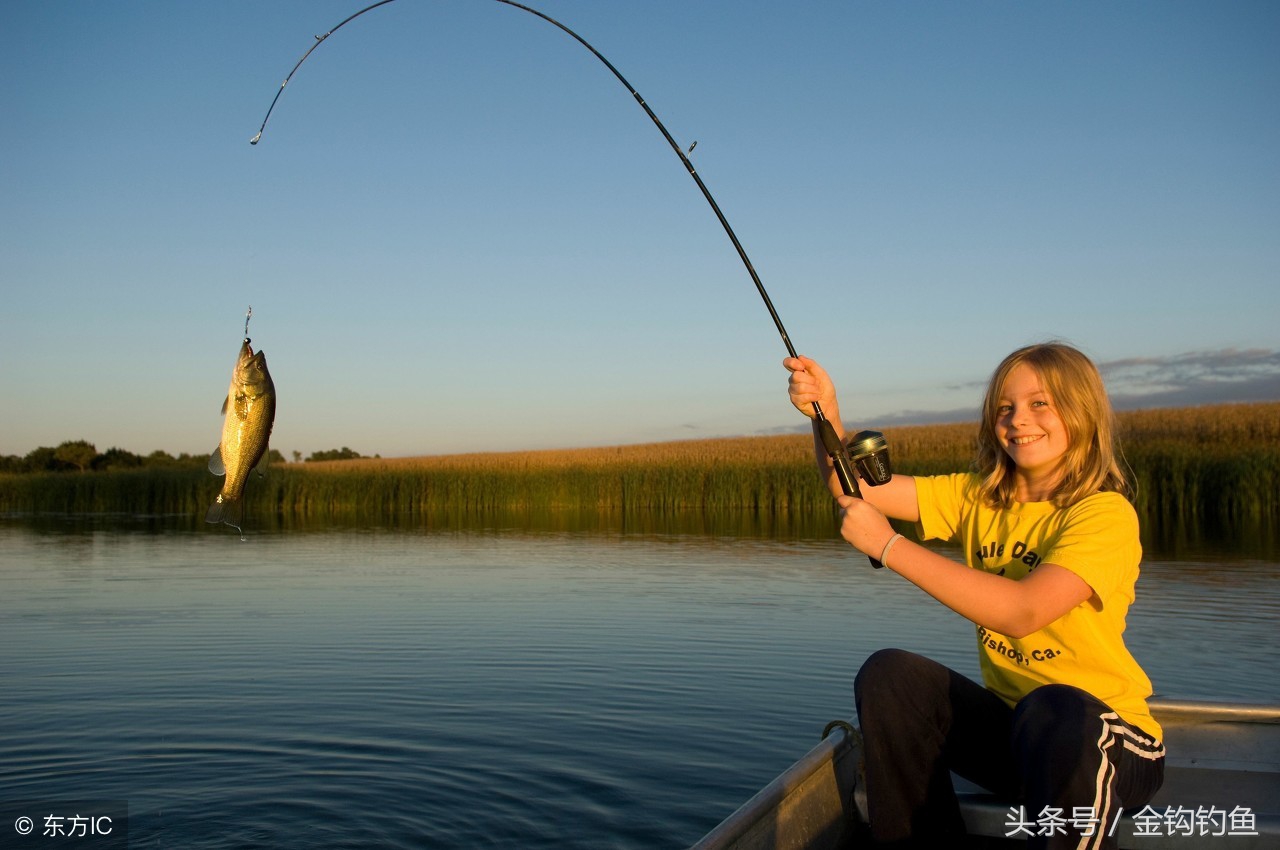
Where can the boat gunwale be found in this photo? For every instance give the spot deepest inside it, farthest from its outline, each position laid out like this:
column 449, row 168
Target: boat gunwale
column 840, row 740
column 1175, row 711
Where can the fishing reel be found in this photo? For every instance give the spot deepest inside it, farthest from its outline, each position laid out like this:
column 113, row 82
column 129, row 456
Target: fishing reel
column 869, row 453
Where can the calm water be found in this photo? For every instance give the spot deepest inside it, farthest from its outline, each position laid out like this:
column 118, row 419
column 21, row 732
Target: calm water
column 362, row 689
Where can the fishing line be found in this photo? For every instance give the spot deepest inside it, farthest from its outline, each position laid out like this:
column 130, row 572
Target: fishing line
column 831, row 443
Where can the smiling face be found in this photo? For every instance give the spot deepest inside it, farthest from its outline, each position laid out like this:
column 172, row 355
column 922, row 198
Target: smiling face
column 1031, row 433
column 1048, row 431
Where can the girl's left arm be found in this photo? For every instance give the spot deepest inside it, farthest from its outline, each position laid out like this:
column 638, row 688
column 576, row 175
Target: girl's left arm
column 1015, row 608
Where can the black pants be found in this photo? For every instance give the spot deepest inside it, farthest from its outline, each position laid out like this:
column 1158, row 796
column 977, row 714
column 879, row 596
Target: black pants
column 1059, row 749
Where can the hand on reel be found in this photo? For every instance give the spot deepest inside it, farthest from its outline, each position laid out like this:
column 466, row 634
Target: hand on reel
column 865, row 453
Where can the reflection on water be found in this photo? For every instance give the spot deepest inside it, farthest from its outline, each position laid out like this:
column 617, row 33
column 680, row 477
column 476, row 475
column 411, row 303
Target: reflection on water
column 620, row 684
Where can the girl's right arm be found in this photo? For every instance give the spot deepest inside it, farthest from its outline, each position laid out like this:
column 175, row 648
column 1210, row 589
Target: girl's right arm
column 1015, row 608
column 808, row 383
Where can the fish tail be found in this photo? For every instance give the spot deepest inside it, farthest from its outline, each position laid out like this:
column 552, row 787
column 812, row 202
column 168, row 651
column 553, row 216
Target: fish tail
column 226, row 509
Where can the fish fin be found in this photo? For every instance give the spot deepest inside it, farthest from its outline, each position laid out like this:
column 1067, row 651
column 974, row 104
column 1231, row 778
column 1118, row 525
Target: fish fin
column 229, row 511
column 225, row 402
column 216, row 466
column 261, row 467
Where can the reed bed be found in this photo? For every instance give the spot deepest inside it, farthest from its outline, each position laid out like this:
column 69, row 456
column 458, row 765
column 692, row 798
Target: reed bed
column 1216, row 466
column 1210, row 466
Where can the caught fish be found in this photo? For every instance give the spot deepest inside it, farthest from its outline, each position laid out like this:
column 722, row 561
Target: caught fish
column 250, row 409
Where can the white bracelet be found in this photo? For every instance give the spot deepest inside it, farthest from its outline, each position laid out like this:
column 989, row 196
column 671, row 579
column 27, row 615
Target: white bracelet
column 885, row 554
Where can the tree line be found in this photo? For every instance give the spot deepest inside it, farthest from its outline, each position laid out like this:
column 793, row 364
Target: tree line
column 83, row 456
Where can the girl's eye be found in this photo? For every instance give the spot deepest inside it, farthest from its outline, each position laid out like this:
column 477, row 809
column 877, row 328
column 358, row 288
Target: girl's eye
column 1003, row 408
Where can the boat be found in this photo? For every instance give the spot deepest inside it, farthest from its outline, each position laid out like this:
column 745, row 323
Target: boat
column 1221, row 789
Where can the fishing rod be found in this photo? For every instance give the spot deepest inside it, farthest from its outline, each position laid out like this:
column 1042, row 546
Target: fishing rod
column 872, row 452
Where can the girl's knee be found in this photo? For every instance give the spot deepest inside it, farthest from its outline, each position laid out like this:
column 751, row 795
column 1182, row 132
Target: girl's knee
column 894, row 679
column 885, row 667
column 887, row 661
column 1056, row 716
column 1057, row 703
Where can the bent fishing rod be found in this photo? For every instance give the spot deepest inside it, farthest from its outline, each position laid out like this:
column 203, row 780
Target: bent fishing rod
column 869, row 448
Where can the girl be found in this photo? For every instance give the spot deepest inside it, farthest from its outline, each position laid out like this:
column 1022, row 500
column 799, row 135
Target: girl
column 1051, row 556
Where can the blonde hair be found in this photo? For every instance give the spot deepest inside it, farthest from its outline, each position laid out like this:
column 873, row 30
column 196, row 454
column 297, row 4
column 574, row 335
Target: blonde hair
column 1092, row 462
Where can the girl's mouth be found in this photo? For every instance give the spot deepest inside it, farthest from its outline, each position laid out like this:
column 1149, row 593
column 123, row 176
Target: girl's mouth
column 1022, row 441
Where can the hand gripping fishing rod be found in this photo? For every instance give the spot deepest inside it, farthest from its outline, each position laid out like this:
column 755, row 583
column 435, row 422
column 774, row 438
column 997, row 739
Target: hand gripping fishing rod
column 873, row 457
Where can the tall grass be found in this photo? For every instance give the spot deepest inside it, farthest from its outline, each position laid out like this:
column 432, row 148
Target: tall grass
column 747, row 473
column 1212, row 466
column 1215, row 465
column 136, row 491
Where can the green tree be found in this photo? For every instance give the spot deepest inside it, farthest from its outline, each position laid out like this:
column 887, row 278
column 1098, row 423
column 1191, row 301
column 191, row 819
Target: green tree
column 343, row 453
column 77, row 453
column 41, row 460
column 198, row 461
column 160, row 458
column 115, row 458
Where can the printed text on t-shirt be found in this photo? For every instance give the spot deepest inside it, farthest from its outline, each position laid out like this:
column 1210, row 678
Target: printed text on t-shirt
column 1019, row 552
column 995, row 643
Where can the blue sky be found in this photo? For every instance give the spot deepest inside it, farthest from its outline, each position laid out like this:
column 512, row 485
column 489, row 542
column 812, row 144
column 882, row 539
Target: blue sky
column 460, row 233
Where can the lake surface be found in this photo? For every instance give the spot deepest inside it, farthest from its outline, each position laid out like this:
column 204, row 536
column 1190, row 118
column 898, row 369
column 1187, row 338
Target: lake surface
column 484, row 688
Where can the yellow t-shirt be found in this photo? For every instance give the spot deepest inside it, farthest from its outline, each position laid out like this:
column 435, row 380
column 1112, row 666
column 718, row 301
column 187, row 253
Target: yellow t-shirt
column 1097, row 539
